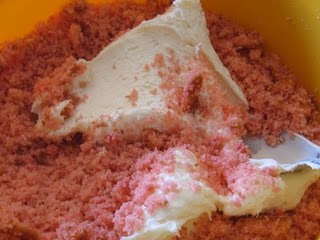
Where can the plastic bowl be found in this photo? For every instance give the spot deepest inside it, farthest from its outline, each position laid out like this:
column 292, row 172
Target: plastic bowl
column 290, row 28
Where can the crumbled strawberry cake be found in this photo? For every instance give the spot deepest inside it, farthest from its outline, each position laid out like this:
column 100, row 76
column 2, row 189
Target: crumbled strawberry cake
column 74, row 187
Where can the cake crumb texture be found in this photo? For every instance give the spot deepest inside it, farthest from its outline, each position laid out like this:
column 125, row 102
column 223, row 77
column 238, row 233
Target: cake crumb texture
column 74, row 188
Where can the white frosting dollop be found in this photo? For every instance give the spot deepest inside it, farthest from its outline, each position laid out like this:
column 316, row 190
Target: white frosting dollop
column 195, row 197
column 120, row 69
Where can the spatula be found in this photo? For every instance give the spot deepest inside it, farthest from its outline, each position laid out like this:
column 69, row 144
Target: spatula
column 296, row 151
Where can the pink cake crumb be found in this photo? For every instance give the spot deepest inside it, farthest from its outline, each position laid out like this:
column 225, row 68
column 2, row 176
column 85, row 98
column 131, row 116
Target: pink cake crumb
column 133, row 97
column 158, row 61
column 154, row 91
column 190, row 97
column 146, row 67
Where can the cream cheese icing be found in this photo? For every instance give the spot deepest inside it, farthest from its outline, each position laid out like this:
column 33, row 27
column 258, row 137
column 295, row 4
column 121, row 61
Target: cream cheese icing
column 120, row 69
column 196, row 197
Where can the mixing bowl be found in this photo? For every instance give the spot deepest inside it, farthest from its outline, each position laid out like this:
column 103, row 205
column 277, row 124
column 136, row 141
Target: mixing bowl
column 290, row 28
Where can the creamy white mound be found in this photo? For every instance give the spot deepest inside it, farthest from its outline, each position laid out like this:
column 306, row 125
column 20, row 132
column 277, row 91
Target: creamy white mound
column 195, row 197
column 119, row 70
